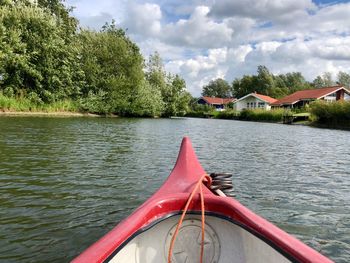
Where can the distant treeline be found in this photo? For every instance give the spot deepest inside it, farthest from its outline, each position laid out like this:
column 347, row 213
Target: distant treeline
column 276, row 86
column 45, row 58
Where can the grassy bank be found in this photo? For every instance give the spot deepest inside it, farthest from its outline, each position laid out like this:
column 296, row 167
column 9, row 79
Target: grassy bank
column 246, row 115
column 330, row 115
column 8, row 104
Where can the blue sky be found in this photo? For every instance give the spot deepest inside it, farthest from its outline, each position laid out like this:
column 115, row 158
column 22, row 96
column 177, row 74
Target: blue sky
column 205, row 39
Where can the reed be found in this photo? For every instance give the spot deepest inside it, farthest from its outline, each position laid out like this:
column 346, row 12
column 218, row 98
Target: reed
column 332, row 114
column 262, row 115
column 25, row 104
column 228, row 114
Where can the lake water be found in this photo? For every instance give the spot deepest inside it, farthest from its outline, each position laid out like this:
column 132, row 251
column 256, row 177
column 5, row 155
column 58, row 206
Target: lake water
column 65, row 182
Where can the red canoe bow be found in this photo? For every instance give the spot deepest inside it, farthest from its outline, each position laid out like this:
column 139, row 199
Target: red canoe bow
column 233, row 232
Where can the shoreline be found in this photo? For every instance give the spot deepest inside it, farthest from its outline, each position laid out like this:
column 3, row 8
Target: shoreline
column 47, row 114
column 66, row 114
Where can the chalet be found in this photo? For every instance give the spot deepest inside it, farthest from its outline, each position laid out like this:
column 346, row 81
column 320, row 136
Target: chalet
column 303, row 97
column 218, row 103
column 253, row 101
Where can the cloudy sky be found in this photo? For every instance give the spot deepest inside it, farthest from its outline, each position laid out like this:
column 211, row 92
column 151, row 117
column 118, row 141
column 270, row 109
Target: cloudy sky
column 205, row 39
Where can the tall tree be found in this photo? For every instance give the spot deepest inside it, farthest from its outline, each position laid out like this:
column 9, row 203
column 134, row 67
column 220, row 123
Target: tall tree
column 343, row 79
column 172, row 87
column 217, row 88
column 318, row 82
column 113, row 68
column 247, row 84
column 37, row 55
column 265, row 81
column 155, row 73
column 178, row 99
column 325, row 80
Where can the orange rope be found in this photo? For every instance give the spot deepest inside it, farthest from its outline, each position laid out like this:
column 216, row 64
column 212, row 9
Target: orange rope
column 206, row 178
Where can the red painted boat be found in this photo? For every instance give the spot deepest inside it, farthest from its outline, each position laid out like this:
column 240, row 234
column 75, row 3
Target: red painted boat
column 232, row 232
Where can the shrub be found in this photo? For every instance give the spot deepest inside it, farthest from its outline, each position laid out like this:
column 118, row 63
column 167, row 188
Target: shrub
column 227, row 114
column 334, row 113
column 262, row 115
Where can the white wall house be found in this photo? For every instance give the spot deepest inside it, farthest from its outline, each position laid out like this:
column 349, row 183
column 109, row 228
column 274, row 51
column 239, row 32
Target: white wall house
column 253, row 101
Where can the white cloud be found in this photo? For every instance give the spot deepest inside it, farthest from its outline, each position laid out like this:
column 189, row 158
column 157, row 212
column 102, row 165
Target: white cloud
column 93, row 15
column 261, row 9
column 143, row 19
column 96, row 21
column 197, row 31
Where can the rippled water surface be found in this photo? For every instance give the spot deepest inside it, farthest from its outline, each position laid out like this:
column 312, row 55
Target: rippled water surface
column 65, row 182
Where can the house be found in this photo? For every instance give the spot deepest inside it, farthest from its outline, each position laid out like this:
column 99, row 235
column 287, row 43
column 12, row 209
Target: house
column 301, row 98
column 218, row 103
column 253, row 101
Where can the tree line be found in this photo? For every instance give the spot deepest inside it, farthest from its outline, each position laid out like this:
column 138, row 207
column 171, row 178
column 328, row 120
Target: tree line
column 46, row 57
column 276, row 86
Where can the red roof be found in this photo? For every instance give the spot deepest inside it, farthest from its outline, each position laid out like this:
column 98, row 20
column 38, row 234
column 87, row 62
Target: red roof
column 307, row 94
column 265, row 98
column 214, row 100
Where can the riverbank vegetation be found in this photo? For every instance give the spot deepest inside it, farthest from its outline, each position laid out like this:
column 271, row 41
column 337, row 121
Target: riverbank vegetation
column 245, row 115
column 336, row 114
column 48, row 62
column 263, row 115
column 10, row 104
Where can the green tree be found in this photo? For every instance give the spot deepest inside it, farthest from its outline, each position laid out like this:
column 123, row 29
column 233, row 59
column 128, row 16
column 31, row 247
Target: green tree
column 36, row 53
column 318, row 82
column 172, row 88
column 155, row 73
column 177, row 100
column 343, row 79
column 113, row 68
column 244, row 86
column 323, row 81
column 147, row 101
column 265, row 81
column 288, row 83
column 217, row 88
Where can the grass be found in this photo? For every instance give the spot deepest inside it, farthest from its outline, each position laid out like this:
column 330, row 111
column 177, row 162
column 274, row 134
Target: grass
column 26, row 105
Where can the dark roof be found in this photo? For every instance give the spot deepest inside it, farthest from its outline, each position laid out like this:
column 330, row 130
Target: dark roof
column 307, row 94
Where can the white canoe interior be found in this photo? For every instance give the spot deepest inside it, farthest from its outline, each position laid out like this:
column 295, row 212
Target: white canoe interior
column 225, row 242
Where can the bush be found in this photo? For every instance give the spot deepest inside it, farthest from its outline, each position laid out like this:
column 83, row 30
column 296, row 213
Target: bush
column 34, row 98
column 227, row 114
column 201, row 111
column 334, row 113
column 9, row 92
column 262, row 115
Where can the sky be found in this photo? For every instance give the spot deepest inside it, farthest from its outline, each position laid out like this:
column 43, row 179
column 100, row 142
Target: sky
column 202, row 40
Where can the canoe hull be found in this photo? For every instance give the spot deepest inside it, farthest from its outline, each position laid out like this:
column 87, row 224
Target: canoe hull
column 170, row 199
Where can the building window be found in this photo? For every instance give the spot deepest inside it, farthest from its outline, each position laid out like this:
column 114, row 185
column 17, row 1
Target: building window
column 248, row 105
column 261, row 104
